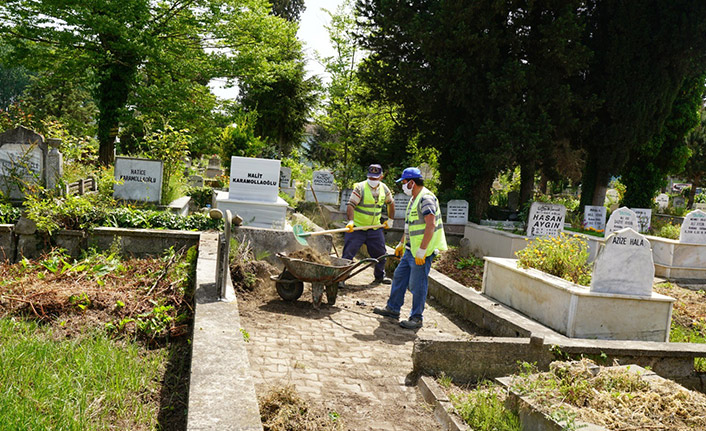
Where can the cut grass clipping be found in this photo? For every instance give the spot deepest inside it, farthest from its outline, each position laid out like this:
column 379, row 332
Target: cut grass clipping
column 88, row 382
column 282, row 409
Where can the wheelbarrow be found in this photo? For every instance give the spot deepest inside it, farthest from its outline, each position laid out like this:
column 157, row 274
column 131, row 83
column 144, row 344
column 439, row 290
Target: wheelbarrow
column 290, row 283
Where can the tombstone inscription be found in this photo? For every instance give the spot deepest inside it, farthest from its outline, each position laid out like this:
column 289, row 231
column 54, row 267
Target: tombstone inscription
column 594, row 217
column 545, row 219
column 138, row 179
column 23, row 156
column 693, row 228
column 285, row 177
column 620, row 219
column 345, row 195
column 457, row 212
column 662, row 201
column 253, row 179
column 644, row 218
column 401, row 201
column 624, row 265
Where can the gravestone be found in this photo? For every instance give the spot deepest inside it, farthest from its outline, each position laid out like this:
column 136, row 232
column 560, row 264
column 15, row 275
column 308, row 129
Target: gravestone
column 644, row 218
column 545, row 219
column 140, row 179
column 285, row 181
column 594, row 217
column 195, row 181
column 23, row 159
column 457, row 212
column 401, row 201
column 345, row 195
column 700, row 206
column 612, row 196
column 253, row 179
column 662, row 201
column 693, row 228
column 620, row 219
column 513, row 200
column 324, row 187
column 624, row 265
column 214, row 167
column 678, row 202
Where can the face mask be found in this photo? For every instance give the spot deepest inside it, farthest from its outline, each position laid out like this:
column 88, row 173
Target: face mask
column 408, row 191
column 373, row 183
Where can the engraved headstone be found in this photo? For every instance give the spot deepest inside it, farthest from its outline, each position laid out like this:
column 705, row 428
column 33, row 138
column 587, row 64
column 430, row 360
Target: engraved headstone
column 620, row 219
column 401, row 201
column 513, row 200
column 457, row 212
column 612, row 196
column 253, row 179
column 323, row 180
column 345, row 195
column 693, row 228
column 644, row 218
column 325, row 190
column 545, row 219
column 624, row 265
column 594, row 217
column 678, row 202
column 700, row 206
column 285, row 177
column 662, row 201
column 195, row 181
column 138, row 179
column 23, row 156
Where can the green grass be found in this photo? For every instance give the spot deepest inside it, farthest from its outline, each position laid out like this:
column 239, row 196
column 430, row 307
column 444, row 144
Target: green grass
column 87, row 383
column 681, row 334
column 483, row 410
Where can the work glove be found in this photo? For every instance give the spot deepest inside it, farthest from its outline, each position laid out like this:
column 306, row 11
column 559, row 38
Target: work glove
column 387, row 224
column 350, row 225
column 399, row 250
column 420, row 256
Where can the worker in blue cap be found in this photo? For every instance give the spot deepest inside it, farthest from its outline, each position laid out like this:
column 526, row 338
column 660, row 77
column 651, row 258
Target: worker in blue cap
column 364, row 208
column 423, row 237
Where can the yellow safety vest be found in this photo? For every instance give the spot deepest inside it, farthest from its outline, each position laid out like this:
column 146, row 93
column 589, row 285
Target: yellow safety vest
column 416, row 225
column 367, row 212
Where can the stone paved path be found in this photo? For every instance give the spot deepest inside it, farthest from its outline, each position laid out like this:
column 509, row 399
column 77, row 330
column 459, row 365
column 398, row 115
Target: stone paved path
column 344, row 357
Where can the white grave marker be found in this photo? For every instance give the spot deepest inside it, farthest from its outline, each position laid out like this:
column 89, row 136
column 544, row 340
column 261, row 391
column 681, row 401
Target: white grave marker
column 345, row 195
column 457, row 212
column 662, row 201
column 401, row 201
column 594, row 217
column 253, row 179
column 700, row 206
column 624, row 266
column 693, row 228
column 285, row 177
column 195, row 181
column 323, row 180
column 612, row 196
column 545, row 219
column 644, row 218
column 679, row 202
column 141, row 179
column 620, row 219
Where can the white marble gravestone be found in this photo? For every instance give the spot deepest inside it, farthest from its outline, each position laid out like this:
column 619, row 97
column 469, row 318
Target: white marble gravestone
column 620, row 219
column 612, row 195
column 624, row 265
column 457, row 212
column 594, row 217
column 253, row 193
column 644, row 218
column 285, row 181
column 678, row 202
column 345, row 195
column 324, row 186
column 700, row 206
column 693, row 228
column 401, row 201
column 662, row 201
column 545, row 219
column 23, row 158
column 138, row 179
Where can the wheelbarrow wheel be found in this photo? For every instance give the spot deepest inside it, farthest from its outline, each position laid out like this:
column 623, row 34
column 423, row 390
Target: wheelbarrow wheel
column 289, row 289
column 331, row 293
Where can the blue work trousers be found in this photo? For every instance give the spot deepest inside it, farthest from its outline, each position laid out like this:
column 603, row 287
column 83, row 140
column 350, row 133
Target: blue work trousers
column 416, row 277
column 374, row 240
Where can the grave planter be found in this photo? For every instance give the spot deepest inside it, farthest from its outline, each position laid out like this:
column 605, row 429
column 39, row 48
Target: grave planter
column 678, row 261
column 573, row 310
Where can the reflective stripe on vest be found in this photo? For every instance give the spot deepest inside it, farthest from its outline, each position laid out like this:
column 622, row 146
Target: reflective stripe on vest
column 417, row 225
column 367, row 212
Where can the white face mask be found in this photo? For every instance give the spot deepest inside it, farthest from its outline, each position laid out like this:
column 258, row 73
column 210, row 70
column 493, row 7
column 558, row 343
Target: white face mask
column 373, row 183
column 406, row 190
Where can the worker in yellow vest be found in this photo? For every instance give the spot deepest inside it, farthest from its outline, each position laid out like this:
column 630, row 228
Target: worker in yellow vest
column 365, row 209
column 422, row 239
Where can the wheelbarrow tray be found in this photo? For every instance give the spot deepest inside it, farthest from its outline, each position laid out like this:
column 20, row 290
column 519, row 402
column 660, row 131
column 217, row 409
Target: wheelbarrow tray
column 316, row 272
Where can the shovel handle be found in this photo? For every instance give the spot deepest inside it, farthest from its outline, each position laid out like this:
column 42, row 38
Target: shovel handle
column 343, row 229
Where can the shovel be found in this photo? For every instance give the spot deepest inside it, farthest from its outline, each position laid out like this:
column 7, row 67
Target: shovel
column 300, row 235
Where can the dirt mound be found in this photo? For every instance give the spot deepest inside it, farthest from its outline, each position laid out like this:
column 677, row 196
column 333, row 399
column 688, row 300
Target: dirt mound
column 311, row 255
column 251, row 279
column 282, row 409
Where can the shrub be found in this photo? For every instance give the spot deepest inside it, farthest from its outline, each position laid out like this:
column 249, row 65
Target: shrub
column 201, row 196
column 665, row 229
column 564, row 256
column 9, row 214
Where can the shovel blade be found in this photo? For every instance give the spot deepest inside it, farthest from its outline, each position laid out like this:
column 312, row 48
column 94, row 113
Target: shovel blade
column 298, row 231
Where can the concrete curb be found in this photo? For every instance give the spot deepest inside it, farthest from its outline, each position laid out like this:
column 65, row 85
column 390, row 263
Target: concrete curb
column 443, row 409
column 221, row 390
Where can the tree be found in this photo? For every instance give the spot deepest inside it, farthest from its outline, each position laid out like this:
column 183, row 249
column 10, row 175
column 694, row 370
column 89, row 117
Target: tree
column 291, row 10
column 667, row 152
column 642, row 52
column 132, row 44
column 695, row 170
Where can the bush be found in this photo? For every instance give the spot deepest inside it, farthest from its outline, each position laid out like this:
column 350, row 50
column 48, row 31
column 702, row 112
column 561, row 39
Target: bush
column 201, row 196
column 665, row 229
column 564, row 256
column 9, row 214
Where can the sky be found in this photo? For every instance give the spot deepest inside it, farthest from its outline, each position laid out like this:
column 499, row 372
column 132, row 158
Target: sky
column 312, row 33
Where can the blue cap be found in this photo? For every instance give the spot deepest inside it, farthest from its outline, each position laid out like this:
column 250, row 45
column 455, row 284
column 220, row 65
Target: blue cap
column 409, row 174
column 374, row 171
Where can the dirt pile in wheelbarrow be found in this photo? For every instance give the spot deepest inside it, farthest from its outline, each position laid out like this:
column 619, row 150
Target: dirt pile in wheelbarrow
column 311, row 255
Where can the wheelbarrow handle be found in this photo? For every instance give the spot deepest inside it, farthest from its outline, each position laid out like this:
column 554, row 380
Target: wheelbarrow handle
column 342, row 229
column 348, row 273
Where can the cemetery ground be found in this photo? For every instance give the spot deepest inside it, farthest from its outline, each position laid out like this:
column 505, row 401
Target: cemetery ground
column 96, row 343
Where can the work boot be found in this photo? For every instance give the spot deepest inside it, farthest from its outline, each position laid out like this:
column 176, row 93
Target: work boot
column 386, row 312
column 383, row 280
column 341, row 284
column 412, row 323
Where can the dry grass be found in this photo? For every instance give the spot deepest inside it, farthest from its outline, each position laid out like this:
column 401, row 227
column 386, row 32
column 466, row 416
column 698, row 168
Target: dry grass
column 282, row 409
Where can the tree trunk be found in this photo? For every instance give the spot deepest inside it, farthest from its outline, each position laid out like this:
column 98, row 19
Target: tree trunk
column 692, row 193
column 113, row 91
column 478, row 204
column 527, row 170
